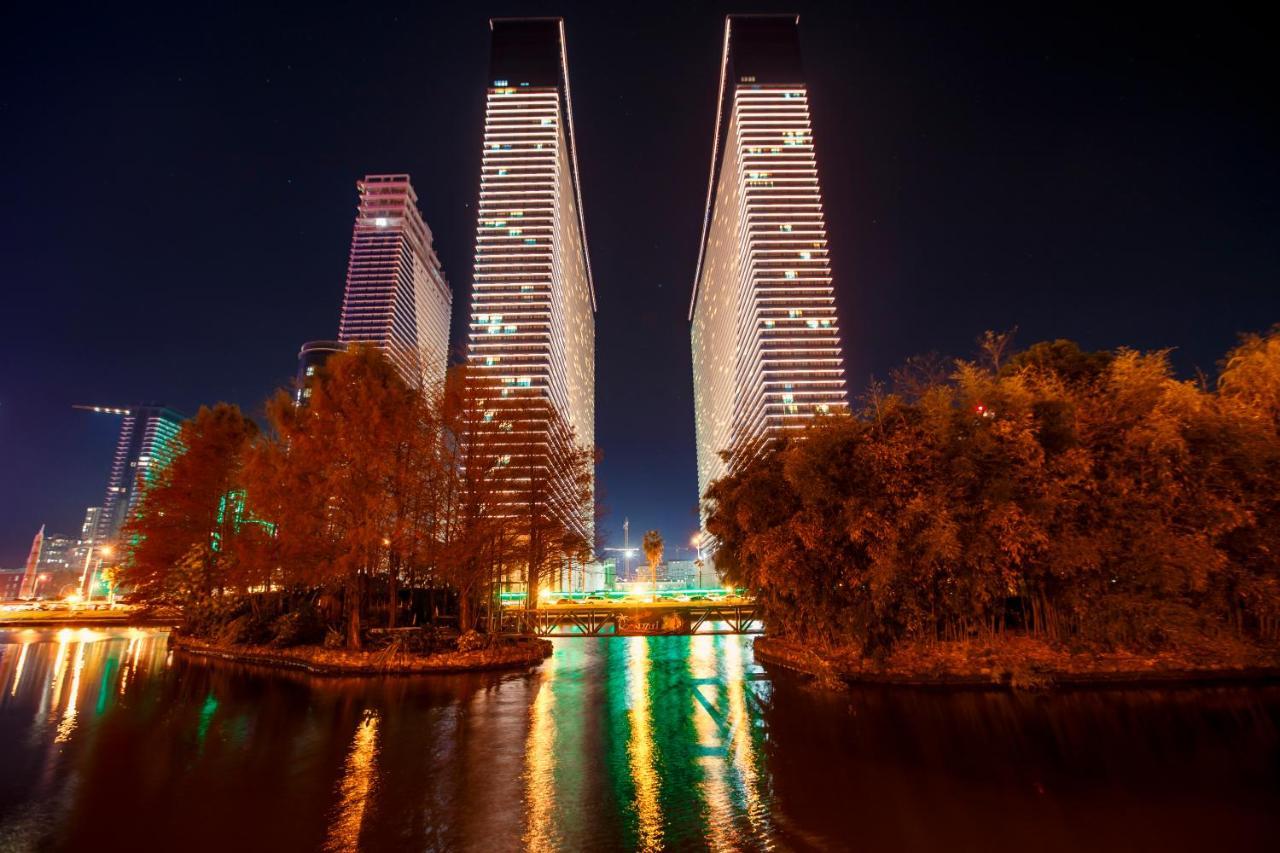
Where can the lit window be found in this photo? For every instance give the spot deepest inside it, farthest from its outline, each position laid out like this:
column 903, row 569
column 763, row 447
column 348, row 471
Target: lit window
column 381, row 222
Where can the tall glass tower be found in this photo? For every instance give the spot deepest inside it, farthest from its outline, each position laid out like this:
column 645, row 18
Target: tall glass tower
column 397, row 297
column 766, row 342
column 532, row 328
column 148, row 442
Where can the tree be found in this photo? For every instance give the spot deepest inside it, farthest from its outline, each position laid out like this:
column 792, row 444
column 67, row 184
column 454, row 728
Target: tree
column 183, row 511
column 652, row 546
column 341, row 478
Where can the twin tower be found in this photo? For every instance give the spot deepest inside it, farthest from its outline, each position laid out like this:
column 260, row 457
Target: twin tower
column 766, row 345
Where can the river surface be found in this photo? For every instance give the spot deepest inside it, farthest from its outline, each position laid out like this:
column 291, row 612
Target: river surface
column 108, row 740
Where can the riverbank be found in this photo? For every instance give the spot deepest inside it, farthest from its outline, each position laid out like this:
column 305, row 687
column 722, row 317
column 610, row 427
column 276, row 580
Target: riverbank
column 506, row 654
column 1023, row 663
column 119, row 617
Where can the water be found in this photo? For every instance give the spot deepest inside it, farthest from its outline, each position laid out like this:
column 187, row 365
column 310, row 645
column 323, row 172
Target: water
column 106, row 738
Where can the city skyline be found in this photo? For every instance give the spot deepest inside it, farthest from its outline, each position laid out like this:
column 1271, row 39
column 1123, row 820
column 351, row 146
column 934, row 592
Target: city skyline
column 958, row 197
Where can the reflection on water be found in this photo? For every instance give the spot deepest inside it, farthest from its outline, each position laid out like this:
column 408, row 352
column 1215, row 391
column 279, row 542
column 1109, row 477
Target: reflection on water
column 614, row 743
column 357, row 780
column 540, row 764
column 644, row 775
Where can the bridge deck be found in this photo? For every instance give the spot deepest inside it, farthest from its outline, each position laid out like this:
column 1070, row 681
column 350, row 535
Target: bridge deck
column 636, row 618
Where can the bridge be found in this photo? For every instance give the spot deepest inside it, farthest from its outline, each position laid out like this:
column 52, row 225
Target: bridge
column 628, row 617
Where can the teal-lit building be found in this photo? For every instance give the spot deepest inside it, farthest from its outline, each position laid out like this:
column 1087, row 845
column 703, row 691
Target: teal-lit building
column 148, row 442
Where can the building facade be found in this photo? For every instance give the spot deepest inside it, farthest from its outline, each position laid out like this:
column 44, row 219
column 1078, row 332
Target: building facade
column 148, row 442
column 11, row 582
column 311, row 357
column 84, row 554
column 765, row 337
column 396, row 296
column 532, row 322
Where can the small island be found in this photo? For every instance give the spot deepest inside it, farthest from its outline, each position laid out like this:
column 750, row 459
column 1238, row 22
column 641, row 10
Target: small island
column 393, row 659
column 1049, row 516
column 369, row 529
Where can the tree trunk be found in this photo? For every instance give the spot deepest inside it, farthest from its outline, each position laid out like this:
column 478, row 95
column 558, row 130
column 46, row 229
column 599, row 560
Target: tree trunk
column 464, row 611
column 392, row 597
column 353, row 602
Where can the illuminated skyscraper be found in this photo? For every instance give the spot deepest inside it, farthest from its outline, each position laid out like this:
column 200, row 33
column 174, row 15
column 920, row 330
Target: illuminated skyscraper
column 397, row 297
column 533, row 303
column 148, row 442
column 766, row 343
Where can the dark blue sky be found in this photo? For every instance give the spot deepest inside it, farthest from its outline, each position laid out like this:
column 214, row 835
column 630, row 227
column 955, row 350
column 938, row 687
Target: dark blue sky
column 178, row 192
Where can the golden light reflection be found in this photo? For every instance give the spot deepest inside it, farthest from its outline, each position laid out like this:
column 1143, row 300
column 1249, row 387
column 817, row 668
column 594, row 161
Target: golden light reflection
column 130, row 658
column 68, row 723
column 59, row 662
column 711, row 742
column 22, row 661
column 540, row 766
column 743, row 748
column 357, row 785
column 644, row 774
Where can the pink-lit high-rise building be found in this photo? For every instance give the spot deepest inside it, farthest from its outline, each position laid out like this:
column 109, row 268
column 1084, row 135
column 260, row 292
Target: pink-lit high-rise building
column 397, row 298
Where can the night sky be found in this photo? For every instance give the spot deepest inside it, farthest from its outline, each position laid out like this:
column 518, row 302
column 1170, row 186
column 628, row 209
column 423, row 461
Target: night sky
column 179, row 189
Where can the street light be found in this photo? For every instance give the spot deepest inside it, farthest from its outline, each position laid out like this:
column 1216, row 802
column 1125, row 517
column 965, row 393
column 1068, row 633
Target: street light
column 86, row 581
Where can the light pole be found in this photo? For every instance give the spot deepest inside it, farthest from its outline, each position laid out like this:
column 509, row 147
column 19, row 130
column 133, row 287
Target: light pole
column 86, row 582
column 696, row 544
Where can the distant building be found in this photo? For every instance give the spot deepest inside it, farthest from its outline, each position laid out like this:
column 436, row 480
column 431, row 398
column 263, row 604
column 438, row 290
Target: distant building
column 311, row 358
column 27, row 589
column 148, row 442
column 765, row 337
column 11, row 583
column 396, row 297
column 682, row 572
column 57, row 553
column 82, row 551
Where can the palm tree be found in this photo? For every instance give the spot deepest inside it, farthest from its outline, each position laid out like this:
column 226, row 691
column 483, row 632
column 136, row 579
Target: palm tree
column 653, row 553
